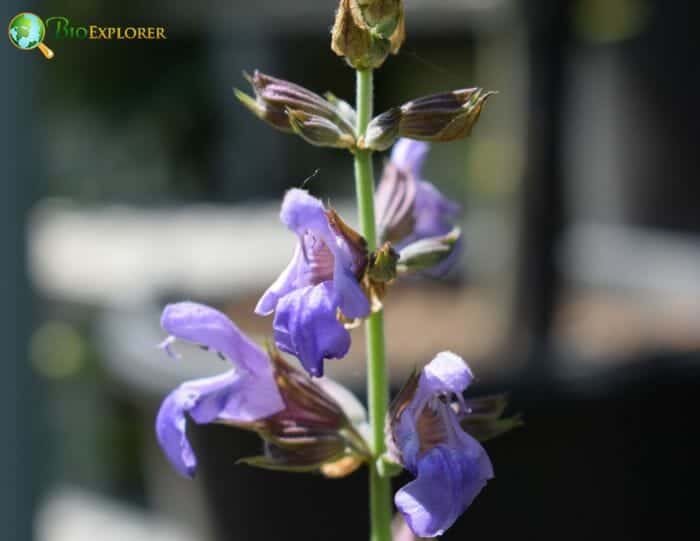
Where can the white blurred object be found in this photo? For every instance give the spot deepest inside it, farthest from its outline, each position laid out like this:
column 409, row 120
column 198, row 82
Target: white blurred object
column 121, row 255
column 658, row 265
column 75, row 515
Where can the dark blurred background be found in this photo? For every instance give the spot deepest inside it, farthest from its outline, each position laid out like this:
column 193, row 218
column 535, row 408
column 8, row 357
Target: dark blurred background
column 133, row 178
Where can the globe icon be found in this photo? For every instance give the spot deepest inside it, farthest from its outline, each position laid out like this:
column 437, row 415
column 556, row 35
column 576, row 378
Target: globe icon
column 27, row 31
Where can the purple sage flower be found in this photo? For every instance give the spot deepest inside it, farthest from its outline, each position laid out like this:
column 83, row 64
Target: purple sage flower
column 244, row 394
column 319, row 287
column 410, row 209
column 426, row 437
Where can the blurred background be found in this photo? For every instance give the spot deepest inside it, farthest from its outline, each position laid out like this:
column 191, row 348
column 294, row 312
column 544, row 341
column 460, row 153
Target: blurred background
column 133, row 179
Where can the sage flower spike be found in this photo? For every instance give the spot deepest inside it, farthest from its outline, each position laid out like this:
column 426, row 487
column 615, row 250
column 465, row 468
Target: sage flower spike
column 414, row 216
column 305, row 425
column 424, row 434
column 441, row 117
column 321, row 286
column 292, row 108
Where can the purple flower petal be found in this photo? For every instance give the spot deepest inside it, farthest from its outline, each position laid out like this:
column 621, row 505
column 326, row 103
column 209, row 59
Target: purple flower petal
column 352, row 300
column 448, row 480
column 301, row 212
column 285, row 283
column 446, row 372
column 244, row 394
column 410, row 155
column 203, row 325
column 204, row 400
column 306, row 325
column 433, row 212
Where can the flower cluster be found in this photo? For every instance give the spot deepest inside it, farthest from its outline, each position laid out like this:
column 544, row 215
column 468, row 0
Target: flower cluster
column 336, row 278
column 318, row 425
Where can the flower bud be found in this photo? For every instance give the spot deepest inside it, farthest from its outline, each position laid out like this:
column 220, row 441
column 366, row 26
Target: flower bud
column 274, row 116
column 313, row 432
column 366, row 31
column 319, row 131
column 383, row 130
column 344, row 109
column 440, row 117
column 427, row 253
column 318, row 120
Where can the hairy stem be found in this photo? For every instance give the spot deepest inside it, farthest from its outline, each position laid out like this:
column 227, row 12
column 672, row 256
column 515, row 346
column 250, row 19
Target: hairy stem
column 377, row 382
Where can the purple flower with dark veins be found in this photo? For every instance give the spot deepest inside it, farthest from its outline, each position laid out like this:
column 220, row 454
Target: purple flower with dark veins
column 425, row 435
column 321, row 285
column 244, row 394
column 413, row 215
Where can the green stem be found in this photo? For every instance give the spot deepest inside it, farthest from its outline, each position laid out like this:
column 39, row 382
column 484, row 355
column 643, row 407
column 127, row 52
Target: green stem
column 377, row 383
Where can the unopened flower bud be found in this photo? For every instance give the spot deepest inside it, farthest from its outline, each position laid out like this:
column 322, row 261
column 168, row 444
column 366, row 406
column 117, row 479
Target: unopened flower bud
column 427, row 253
column 318, row 120
column 440, row 117
column 383, row 130
column 366, row 31
column 344, row 109
column 319, row 131
column 274, row 116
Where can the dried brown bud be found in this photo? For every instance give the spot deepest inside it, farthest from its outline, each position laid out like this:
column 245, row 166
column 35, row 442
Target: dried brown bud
column 441, row 117
column 366, row 31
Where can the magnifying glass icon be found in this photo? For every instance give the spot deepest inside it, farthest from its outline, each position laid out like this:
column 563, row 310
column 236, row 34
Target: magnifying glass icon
column 27, row 31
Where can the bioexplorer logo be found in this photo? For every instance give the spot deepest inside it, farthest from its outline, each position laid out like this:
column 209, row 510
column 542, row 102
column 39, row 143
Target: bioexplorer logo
column 27, row 31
